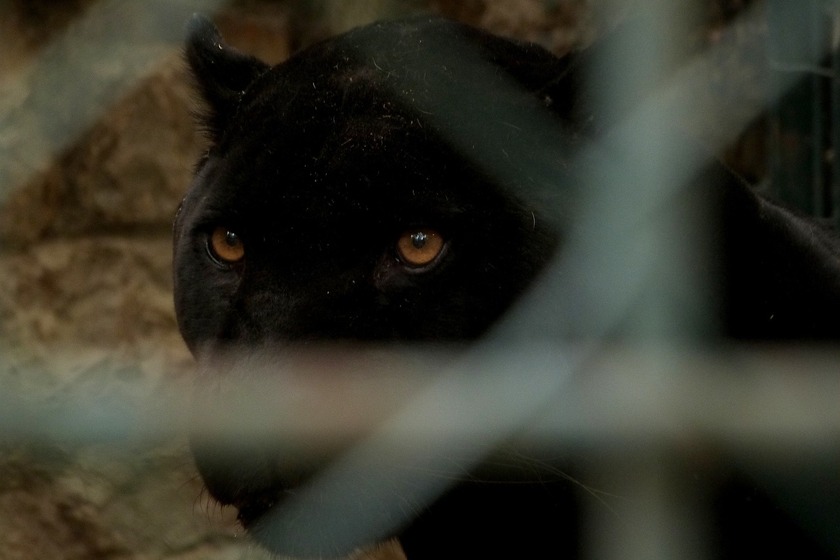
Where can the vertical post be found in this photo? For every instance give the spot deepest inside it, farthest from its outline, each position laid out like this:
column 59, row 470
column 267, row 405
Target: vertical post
column 647, row 515
column 796, row 43
column 652, row 513
column 834, row 115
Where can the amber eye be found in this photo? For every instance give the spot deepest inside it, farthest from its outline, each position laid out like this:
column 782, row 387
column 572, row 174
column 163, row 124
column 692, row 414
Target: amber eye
column 419, row 247
column 226, row 246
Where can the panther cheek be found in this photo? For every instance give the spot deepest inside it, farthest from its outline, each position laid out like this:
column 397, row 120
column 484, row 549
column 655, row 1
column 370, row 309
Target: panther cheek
column 386, row 273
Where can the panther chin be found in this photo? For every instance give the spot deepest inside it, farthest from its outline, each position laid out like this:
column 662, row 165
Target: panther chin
column 260, row 497
column 298, row 524
column 252, row 510
column 276, row 435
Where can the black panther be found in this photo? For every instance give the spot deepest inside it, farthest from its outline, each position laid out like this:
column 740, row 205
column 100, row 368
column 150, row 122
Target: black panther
column 405, row 183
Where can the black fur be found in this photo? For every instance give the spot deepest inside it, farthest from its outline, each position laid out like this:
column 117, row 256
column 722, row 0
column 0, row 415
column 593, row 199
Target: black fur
column 320, row 163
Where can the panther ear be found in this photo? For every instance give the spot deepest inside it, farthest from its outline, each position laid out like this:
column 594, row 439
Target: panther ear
column 558, row 82
column 221, row 73
column 567, row 93
column 578, row 92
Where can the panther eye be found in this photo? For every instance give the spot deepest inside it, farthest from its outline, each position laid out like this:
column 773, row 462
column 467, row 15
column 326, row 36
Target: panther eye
column 419, row 247
column 226, row 246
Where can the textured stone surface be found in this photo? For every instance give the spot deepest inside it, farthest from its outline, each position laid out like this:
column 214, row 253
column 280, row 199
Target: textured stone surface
column 86, row 318
column 558, row 26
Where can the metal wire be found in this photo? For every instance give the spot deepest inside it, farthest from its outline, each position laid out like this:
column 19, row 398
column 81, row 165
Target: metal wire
column 634, row 402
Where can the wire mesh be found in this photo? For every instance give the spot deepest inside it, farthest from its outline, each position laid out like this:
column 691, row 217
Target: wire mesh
column 633, row 407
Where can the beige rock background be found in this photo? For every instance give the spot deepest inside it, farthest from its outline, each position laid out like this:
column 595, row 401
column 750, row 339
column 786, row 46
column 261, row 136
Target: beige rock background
column 96, row 148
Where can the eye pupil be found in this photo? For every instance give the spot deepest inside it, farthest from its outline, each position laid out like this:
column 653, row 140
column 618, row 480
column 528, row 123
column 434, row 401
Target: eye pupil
column 419, row 240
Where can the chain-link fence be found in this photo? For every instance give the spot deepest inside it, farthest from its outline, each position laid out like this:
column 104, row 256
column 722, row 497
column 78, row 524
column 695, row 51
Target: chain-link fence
column 646, row 423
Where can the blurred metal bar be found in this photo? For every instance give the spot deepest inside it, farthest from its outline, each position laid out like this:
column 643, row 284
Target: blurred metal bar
column 779, row 401
column 834, row 115
column 801, row 46
column 643, row 166
column 654, row 514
